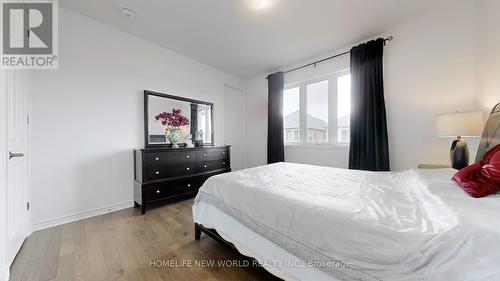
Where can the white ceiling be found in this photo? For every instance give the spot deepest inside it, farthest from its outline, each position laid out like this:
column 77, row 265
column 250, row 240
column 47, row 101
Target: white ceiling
column 230, row 36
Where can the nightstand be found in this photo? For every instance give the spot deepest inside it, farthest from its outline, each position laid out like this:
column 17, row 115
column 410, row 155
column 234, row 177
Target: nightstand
column 433, row 166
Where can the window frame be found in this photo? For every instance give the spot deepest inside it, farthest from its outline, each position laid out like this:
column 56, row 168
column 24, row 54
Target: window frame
column 332, row 112
column 288, row 87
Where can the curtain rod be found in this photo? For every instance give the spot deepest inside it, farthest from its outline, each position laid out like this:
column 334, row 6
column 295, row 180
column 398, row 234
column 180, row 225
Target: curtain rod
column 328, row 58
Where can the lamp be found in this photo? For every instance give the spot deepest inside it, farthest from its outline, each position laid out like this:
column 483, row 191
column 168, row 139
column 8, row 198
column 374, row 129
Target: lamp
column 459, row 124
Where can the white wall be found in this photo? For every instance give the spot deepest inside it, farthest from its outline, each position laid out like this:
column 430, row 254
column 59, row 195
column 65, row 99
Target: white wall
column 487, row 53
column 87, row 116
column 429, row 69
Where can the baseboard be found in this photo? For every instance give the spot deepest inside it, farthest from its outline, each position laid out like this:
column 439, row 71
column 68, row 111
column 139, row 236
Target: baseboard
column 80, row 216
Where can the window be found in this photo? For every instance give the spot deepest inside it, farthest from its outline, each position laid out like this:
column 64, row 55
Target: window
column 343, row 108
column 204, row 124
column 318, row 111
column 291, row 114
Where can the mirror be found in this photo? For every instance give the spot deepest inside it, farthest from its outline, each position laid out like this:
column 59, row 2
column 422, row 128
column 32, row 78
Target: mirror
column 192, row 118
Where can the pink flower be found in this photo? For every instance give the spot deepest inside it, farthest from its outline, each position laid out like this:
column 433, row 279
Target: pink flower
column 172, row 119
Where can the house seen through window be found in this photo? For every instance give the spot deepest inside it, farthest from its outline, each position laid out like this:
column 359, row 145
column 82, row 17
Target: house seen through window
column 319, row 111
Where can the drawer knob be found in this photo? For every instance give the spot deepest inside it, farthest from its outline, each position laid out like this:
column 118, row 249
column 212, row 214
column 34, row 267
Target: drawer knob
column 223, row 152
column 204, row 155
column 188, row 169
column 157, row 172
column 204, row 166
column 189, row 185
column 157, row 158
column 158, row 191
column 187, row 156
column 223, row 163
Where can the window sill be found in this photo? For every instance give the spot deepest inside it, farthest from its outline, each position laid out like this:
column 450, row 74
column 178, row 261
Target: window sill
column 317, row 146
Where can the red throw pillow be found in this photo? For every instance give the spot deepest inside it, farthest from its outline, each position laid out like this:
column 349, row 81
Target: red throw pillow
column 483, row 178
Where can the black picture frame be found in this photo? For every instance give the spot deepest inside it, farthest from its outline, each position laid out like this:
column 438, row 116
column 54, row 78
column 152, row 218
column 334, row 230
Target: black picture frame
column 148, row 93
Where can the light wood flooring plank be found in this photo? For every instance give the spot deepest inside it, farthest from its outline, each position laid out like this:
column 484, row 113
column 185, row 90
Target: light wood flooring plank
column 120, row 247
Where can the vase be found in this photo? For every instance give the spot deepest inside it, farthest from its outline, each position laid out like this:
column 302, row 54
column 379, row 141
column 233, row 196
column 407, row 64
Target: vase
column 172, row 135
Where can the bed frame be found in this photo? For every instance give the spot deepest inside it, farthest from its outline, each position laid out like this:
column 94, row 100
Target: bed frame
column 212, row 233
column 198, row 229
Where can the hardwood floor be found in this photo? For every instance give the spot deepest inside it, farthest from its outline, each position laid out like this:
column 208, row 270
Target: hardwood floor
column 121, row 245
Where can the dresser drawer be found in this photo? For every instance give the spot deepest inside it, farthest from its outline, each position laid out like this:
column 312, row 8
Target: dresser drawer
column 205, row 166
column 162, row 171
column 153, row 192
column 153, row 159
column 212, row 154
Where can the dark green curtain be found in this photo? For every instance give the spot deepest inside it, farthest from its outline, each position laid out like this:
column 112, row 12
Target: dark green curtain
column 369, row 147
column 275, row 146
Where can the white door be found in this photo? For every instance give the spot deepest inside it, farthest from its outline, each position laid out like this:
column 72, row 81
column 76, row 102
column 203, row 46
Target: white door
column 234, row 125
column 17, row 95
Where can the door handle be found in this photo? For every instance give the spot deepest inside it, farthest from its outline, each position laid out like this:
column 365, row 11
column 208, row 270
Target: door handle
column 13, row 154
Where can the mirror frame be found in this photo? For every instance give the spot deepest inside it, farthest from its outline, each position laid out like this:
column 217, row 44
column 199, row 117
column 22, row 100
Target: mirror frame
column 148, row 93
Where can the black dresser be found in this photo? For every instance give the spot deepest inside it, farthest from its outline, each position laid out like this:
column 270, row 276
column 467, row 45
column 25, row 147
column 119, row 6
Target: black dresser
column 167, row 173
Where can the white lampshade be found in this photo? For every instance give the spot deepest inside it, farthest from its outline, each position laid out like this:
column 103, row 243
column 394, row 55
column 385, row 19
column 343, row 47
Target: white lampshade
column 460, row 124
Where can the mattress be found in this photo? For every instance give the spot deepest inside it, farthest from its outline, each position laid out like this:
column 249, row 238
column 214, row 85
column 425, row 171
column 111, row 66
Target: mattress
column 354, row 225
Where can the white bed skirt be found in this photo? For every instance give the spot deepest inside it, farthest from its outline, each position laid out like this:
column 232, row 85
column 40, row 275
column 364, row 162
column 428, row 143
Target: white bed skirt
column 273, row 258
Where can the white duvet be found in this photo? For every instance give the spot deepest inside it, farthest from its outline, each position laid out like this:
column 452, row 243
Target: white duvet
column 357, row 225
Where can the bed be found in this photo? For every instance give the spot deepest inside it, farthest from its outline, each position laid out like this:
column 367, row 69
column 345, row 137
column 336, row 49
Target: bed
column 304, row 222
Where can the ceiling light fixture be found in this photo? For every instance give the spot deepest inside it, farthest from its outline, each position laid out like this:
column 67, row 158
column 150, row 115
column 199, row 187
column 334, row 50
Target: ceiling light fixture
column 259, row 5
column 129, row 13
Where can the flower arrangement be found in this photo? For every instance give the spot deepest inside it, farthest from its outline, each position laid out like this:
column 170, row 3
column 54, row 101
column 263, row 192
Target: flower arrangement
column 173, row 121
